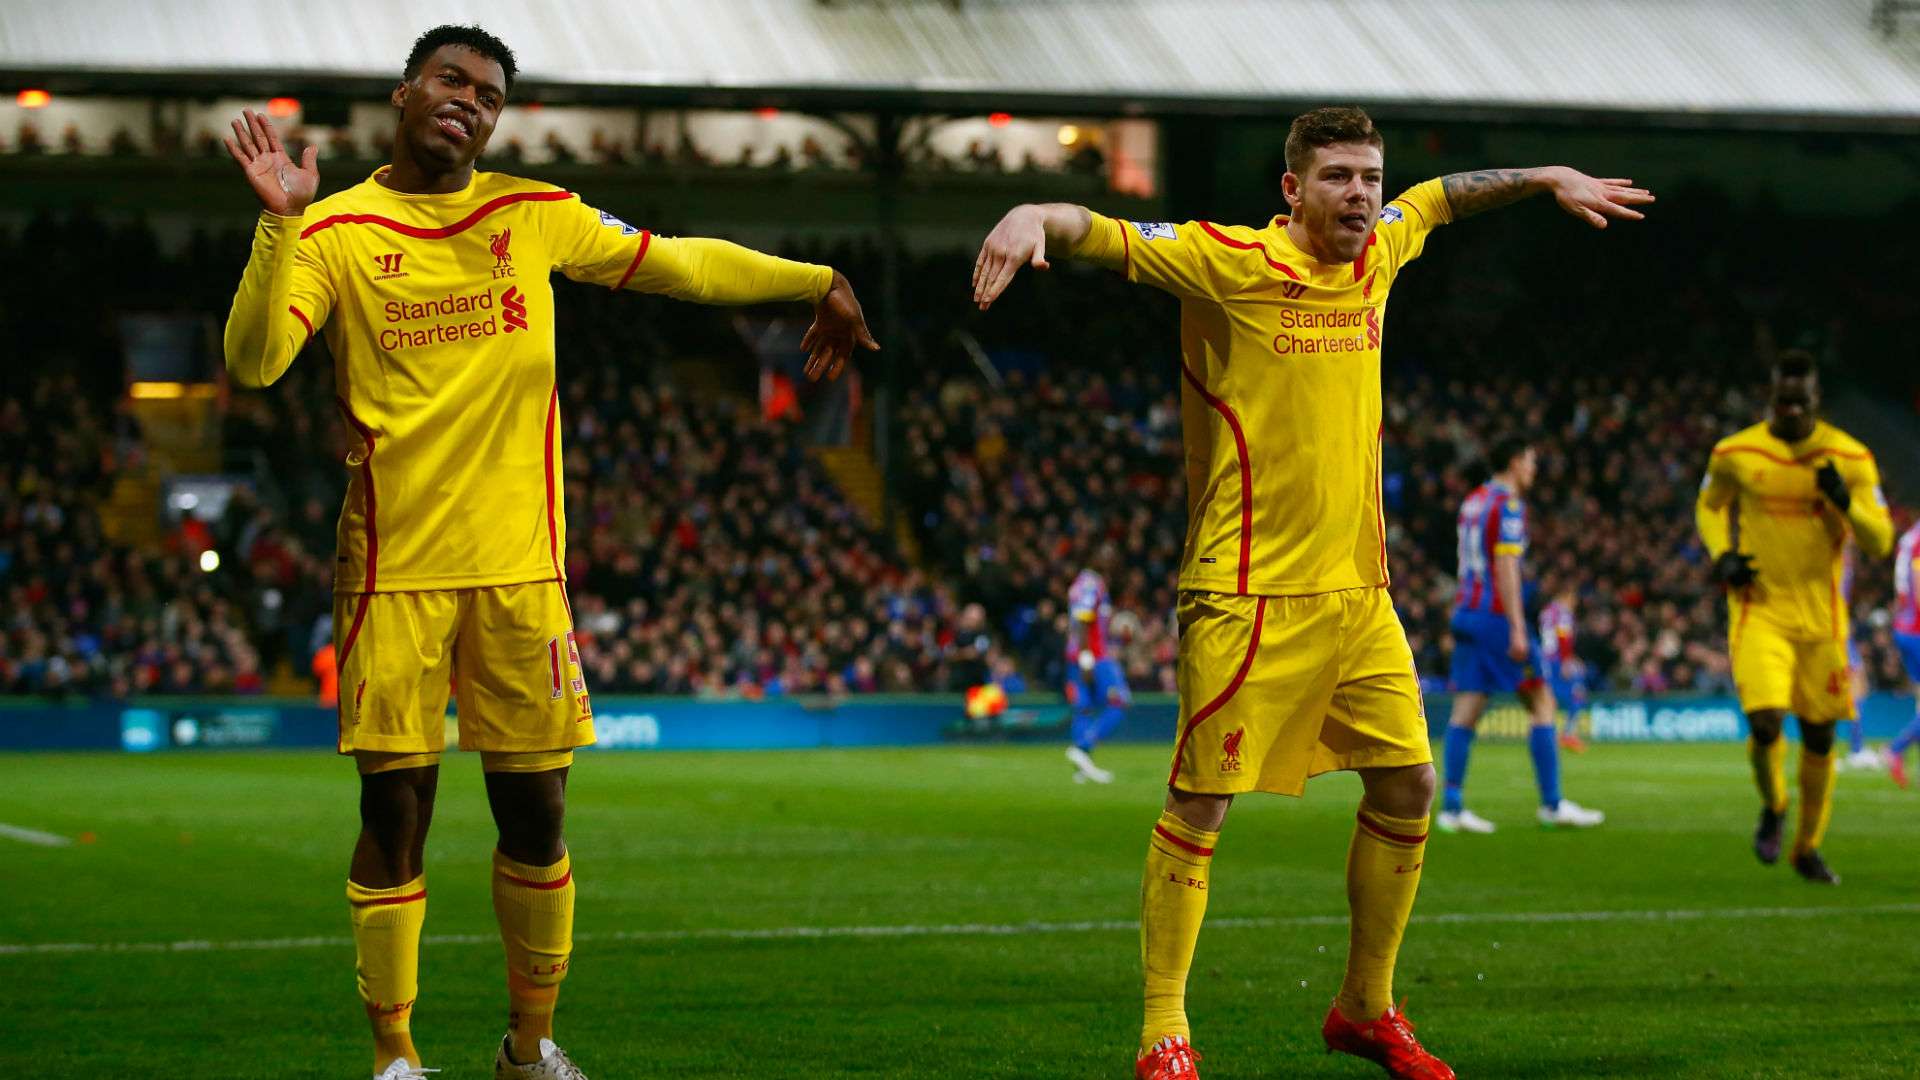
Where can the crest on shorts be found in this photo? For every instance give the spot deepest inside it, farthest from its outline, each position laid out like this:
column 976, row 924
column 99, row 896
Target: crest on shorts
column 1230, row 749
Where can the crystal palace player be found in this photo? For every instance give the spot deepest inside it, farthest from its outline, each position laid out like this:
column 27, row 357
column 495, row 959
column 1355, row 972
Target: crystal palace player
column 1778, row 503
column 431, row 283
column 1292, row 662
column 1906, row 635
column 1096, row 687
column 1492, row 651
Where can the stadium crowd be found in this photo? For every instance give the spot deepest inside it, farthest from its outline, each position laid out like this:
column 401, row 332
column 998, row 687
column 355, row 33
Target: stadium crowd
column 709, row 552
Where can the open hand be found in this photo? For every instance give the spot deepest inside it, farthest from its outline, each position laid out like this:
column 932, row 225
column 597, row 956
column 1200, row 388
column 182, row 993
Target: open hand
column 283, row 187
column 1019, row 240
column 1595, row 201
column 838, row 325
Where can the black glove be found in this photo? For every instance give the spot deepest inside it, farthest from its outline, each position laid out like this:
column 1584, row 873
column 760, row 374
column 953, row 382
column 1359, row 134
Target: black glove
column 1833, row 487
column 1734, row 570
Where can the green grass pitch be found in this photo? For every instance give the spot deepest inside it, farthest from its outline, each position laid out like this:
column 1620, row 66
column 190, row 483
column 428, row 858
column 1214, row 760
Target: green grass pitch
column 1655, row 946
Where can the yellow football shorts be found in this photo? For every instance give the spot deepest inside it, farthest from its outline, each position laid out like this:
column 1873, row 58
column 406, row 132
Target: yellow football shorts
column 1275, row 689
column 505, row 653
column 1773, row 669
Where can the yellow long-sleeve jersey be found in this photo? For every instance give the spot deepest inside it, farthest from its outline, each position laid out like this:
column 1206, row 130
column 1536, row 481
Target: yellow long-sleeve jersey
column 438, row 310
column 1759, row 498
column 1281, row 395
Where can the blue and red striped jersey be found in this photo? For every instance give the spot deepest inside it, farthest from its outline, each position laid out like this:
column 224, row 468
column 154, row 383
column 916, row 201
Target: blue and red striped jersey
column 1089, row 609
column 1493, row 522
column 1906, row 604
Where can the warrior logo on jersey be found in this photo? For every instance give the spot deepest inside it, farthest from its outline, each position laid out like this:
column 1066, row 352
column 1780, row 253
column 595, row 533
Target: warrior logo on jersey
column 502, row 258
column 1230, row 746
column 612, row 222
column 1155, row 230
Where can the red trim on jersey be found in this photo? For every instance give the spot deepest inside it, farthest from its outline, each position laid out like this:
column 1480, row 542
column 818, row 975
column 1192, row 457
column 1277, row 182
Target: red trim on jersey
column 353, row 634
column 553, row 522
column 304, row 321
column 1246, row 471
column 1360, row 264
column 1803, row 459
column 1379, row 501
column 443, row 231
column 384, row 901
column 1162, row 833
column 1214, row 706
column 544, row 886
column 1388, row 834
column 366, row 474
column 1248, row 245
column 646, row 241
column 1833, row 597
column 1126, row 252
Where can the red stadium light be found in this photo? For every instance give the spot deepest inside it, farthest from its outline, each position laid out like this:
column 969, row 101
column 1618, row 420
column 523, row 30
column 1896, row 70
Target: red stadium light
column 33, row 99
column 282, row 107
column 766, row 112
column 999, row 119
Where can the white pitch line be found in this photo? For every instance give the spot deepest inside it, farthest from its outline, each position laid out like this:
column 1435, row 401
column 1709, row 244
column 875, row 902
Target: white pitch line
column 33, row 836
column 804, row 933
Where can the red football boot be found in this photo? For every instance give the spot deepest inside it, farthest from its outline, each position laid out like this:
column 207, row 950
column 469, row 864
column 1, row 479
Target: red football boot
column 1169, row 1059
column 1896, row 767
column 1388, row 1042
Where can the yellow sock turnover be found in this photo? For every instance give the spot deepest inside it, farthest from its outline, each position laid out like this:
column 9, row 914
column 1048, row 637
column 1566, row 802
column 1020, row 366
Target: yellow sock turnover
column 1173, row 901
column 1383, row 873
column 1770, row 771
column 1816, row 799
column 534, row 905
column 386, row 942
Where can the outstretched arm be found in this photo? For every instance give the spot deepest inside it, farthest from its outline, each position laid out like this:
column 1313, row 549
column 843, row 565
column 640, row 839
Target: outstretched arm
column 1591, row 200
column 1021, row 239
column 718, row 272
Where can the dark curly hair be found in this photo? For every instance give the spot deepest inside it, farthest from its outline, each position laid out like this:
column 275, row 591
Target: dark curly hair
column 471, row 37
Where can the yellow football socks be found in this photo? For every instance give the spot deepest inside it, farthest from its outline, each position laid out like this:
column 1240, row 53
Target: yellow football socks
column 1383, row 873
column 1173, row 901
column 1770, row 771
column 386, row 941
column 534, row 905
column 1816, row 799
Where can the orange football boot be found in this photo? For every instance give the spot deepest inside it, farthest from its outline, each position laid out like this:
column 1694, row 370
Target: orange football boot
column 1388, row 1042
column 1171, row 1058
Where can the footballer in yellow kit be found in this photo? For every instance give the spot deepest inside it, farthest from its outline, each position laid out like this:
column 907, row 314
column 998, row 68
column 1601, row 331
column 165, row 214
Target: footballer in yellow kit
column 1292, row 662
column 430, row 282
column 1779, row 503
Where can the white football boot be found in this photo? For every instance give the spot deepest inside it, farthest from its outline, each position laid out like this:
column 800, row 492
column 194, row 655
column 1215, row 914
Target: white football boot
column 554, row 1064
column 1570, row 815
column 1866, row 759
column 1463, row 821
column 1088, row 771
column 402, row 1069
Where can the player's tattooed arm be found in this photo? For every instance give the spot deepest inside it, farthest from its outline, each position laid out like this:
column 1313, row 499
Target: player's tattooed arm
column 1471, row 193
column 1594, row 201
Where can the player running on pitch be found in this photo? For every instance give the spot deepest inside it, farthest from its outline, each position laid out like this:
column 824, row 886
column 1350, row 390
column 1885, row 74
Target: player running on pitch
column 1292, row 662
column 431, row 282
column 1779, row 501
column 1492, row 651
column 1096, row 687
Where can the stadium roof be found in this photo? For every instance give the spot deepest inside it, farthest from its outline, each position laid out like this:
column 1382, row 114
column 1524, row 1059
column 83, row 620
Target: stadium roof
column 1795, row 59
